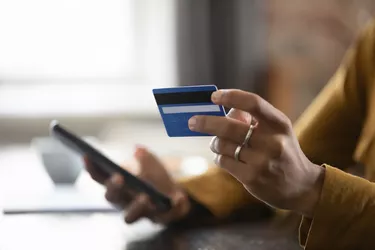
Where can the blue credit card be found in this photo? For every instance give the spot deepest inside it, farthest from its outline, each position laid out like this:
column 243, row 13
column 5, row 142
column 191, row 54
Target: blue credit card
column 177, row 105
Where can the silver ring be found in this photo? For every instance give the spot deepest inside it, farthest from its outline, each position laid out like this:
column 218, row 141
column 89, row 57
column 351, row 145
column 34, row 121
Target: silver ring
column 237, row 153
column 249, row 133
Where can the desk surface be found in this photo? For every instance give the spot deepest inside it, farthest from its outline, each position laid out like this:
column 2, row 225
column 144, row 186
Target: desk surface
column 107, row 231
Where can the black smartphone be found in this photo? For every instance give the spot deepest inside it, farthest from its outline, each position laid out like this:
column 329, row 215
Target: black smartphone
column 162, row 202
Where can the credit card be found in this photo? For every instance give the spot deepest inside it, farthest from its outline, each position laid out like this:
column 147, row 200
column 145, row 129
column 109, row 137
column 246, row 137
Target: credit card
column 177, row 105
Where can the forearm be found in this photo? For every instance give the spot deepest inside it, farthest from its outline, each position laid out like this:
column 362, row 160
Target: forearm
column 333, row 126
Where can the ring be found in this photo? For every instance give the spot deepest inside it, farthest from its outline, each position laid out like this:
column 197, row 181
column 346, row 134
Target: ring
column 237, row 153
column 249, row 133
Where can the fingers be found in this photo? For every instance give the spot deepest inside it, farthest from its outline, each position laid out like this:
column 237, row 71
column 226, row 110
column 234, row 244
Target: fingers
column 180, row 208
column 146, row 159
column 249, row 102
column 228, row 148
column 143, row 208
column 229, row 129
column 140, row 207
column 95, row 172
column 240, row 115
column 229, row 164
column 244, row 172
column 116, row 191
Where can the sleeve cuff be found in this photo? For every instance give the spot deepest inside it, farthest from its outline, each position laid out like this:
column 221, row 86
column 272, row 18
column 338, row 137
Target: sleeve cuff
column 340, row 220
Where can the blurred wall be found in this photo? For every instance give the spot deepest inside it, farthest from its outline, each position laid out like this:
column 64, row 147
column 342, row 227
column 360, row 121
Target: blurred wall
column 307, row 40
column 222, row 42
column 286, row 51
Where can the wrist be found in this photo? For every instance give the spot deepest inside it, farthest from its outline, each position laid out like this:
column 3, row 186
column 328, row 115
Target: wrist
column 312, row 196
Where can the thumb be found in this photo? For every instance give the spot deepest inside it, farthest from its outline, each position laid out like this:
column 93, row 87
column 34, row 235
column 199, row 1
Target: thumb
column 146, row 159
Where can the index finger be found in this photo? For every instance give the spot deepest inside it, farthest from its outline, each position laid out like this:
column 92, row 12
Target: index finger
column 249, row 102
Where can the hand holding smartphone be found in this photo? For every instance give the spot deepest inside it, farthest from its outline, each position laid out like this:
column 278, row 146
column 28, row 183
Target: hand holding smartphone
column 162, row 202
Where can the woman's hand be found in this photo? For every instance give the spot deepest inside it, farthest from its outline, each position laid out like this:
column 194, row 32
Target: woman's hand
column 272, row 167
column 137, row 205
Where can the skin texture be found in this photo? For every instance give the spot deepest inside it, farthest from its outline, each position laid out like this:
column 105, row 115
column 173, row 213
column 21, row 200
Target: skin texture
column 272, row 167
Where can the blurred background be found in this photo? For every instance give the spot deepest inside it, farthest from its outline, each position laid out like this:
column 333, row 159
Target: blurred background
column 92, row 64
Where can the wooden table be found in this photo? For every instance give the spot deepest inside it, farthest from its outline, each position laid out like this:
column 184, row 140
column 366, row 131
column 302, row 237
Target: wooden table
column 107, row 231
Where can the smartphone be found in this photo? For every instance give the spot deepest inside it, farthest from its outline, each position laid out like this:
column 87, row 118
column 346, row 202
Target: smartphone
column 162, row 202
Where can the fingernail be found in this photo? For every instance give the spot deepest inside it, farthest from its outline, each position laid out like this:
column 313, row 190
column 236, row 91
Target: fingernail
column 217, row 95
column 192, row 123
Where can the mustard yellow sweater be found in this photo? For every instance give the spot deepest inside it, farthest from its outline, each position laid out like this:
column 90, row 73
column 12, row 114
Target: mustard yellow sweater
column 337, row 129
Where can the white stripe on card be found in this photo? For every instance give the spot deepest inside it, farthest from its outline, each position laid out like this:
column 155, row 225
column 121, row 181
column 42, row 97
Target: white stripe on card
column 191, row 109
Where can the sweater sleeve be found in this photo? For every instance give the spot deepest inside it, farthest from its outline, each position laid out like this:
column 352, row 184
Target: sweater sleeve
column 329, row 130
column 218, row 191
column 345, row 215
column 335, row 130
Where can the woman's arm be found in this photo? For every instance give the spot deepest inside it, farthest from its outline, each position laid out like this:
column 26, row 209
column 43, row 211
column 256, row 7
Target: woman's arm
column 345, row 215
column 330, row 128
column 331, row 131
column 328, row 131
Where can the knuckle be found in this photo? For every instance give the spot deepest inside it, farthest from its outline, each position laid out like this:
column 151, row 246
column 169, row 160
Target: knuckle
column 274, row 169
column 226, row 129
column 264, row 171
column 203, row 123
column 285, row 122
column 144, row 200
column 228, row 96
column 279, row 146
column 256, row 103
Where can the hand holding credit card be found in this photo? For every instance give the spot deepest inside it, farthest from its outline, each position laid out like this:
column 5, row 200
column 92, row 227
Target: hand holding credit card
column 177, row 105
